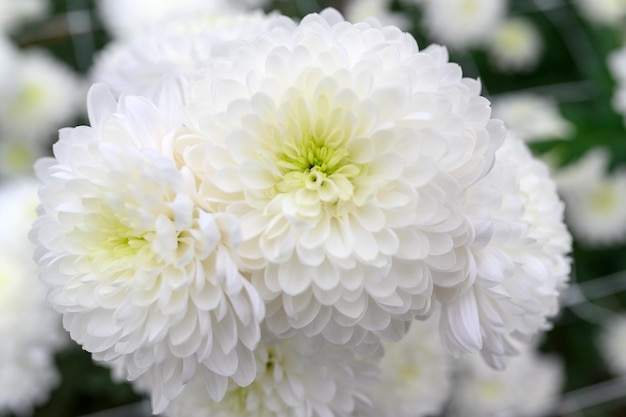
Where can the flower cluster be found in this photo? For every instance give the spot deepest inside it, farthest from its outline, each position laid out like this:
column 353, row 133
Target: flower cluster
column 253, row 211
column 31, row 331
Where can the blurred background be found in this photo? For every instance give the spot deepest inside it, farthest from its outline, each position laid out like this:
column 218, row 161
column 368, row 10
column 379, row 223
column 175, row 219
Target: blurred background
column 554, row 70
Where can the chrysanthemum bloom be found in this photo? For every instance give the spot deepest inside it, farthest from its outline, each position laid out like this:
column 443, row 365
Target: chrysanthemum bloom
column 30, row 330
column 345, row 152
column 611, row 342
column 176, row 47
column 528, row 387
column 532, row 117
column 127, row 19
column 520, row 253
column 297, row 377
column 516, row 45
column 604, row 12
column 14, row 13
column 359, row 10
column 595, row 199
column 462, row 24
column 143, row 275
column 416, row 374
column 40, row 96
column 617, row 66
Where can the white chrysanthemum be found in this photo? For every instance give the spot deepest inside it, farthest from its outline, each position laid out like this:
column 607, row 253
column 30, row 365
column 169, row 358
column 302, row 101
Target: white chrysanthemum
column 345, row 152
column 17, row 156
column 359, row 10
column 14, row 13
column 516, row 45
column 30, row 330
column 528, row 387
column 415, row 374
column 595, row 199
column 612, row 344
column 42, row 95
column 605, row 12
column 176, row 47
column 616, row 62
column 532, row 117
column 125, row 19
column 521, row 258
column 462, row 24
column 617, row 66
column 142, row 274
column 297, row 377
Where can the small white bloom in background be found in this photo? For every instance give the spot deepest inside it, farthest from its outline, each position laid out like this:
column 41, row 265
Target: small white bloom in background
column 612, row 344
column 30, row 330
column 516, row 45
column 359, row 10
column 416, row 374
column 143, row 275
column 604, row 12
column 177, row 47
column 297, row 377
column 40, row 96
column 15, row 13
column 520, row 252
column 125, row 19
column 463, row 24
column 616, row 62
column 617, row 65
column 345, row 151
column 528, row 387
column 595, row 199
column 532, row 117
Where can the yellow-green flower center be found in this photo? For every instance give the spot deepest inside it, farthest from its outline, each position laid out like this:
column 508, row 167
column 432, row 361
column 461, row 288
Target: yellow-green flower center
column 604, row 199
column 17, row 157
column 31, row 95
column 314, row 165
column 318, row 163
column 113, row 245
column 490, row 389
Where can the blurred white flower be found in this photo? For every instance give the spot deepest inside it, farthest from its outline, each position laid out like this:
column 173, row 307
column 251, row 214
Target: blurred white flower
column 521, row 261
column 462, row 24
column 617, row 65
column 298, row 377
column 516, row 45
column 595, row 199
column 612, row 344
column 127, row 18
column 416, row 374
column 14, row 13
column 176, row 47
column 532, row 117
column 345, row 152
column 142, row 274
column 41, row 95
column 528, row 387
column 605, row 12
column 359, row 10
column 30, row 330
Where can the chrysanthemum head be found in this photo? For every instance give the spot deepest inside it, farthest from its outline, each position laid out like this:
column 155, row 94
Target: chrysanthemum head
column 516, row 45
column 521, row 258
column 595, row 199
column 144, row 276
column 532, row 117
column 344, row 150
column 295, row 377
column 611, row 342
column 30, row 330
column 462, row 24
